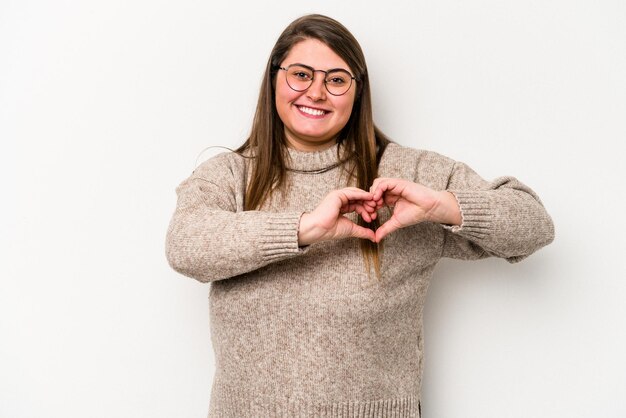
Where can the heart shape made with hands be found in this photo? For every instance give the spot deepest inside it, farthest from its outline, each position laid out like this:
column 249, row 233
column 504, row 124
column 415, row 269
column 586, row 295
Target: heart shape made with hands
column 410, row 203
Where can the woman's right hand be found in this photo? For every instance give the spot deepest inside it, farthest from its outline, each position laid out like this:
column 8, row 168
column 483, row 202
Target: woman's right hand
column 326, row 221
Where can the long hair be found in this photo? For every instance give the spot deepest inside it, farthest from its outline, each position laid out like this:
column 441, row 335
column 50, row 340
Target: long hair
column 363, row 141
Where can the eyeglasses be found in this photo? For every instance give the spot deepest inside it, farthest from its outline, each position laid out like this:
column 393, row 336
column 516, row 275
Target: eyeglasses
column 300, row 77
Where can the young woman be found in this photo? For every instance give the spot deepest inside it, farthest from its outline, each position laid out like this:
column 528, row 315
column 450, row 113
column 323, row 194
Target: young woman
column 319, row 237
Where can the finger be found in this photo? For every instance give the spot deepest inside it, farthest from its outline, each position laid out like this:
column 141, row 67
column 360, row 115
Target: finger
column 356, row 206
column 358, row 231
column 367, row 213
column 355, row 190
column 348, row 194
column 390, row 200
column 364, row 214
column 376, row 182
column 385, row 229
column 370, row 203
column 388, row 186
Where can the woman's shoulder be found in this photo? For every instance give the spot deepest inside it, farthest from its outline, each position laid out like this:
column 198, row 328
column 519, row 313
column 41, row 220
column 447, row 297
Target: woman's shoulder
column 223, row 164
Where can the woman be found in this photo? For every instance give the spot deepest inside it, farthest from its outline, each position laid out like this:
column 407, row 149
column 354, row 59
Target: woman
column 310, row 314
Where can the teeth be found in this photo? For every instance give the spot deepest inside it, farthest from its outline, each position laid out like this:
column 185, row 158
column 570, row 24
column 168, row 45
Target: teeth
column 309, row 111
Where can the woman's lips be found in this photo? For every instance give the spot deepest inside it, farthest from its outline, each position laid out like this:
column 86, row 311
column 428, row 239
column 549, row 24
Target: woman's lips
column 312, row 112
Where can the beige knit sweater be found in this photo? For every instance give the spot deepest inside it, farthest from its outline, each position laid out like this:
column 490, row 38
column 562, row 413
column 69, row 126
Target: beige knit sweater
column 304, row 332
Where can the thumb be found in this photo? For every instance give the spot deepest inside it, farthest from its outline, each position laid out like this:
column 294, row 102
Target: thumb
column 357, row 231
column 385, row 229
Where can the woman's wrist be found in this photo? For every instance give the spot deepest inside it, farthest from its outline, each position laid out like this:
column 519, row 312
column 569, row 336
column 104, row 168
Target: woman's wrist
column 305, row 230
column 447, row 210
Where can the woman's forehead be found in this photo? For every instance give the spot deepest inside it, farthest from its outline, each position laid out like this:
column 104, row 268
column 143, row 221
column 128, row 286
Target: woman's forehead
column 316, row 54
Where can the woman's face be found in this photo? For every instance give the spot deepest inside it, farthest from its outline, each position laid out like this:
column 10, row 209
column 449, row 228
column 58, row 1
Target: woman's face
column 313, row 118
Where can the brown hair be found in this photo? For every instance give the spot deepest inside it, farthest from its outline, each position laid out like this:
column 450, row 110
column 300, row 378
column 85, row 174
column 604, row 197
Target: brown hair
column 363, row 141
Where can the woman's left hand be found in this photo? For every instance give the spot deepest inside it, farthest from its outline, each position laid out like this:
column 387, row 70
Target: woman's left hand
column 412, row 203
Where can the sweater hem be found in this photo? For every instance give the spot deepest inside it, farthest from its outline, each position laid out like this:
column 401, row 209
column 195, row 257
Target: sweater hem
column 233, row 406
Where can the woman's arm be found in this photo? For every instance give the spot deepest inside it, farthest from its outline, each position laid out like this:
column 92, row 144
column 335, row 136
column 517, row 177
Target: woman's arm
column 503, row 218
column 211, row 237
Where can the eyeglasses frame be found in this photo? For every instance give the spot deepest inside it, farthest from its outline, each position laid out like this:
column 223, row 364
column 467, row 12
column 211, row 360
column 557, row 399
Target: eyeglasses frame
column 313, row 70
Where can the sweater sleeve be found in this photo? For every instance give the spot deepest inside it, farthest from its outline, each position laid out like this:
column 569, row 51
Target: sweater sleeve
column 502, row 218
column 210, row 237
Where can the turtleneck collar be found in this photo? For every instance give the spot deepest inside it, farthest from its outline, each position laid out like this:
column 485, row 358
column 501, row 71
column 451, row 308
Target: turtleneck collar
column 314, row 161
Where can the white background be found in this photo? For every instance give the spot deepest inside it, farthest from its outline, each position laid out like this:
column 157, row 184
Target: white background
column 104, row 107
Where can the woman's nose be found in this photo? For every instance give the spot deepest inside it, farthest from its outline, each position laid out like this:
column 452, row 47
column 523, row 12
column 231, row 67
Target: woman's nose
column 317, row 90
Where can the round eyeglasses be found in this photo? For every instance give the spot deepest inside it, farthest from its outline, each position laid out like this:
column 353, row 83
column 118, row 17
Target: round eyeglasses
column 300, row 77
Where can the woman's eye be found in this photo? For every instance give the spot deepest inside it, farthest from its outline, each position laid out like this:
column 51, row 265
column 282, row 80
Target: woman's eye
column 336, row 81
column 301, row 75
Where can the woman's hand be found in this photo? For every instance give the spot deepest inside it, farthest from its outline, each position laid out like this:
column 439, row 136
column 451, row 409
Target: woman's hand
column 326, row 221
column 412, row 203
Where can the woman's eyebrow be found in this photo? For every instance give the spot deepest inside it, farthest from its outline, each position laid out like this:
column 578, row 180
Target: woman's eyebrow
column 316, row 69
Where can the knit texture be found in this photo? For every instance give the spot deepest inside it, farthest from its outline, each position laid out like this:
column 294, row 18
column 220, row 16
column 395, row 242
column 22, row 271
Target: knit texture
column 305, row 331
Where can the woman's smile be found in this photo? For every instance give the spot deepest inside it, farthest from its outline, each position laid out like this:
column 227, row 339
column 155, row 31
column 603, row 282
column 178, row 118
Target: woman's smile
column 312, row 112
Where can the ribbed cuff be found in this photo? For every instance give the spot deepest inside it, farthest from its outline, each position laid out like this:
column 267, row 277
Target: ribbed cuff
column 476, row 214
column 280, row 237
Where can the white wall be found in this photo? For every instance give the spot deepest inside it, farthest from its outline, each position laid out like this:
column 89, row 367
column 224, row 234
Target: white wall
column 104, row 107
